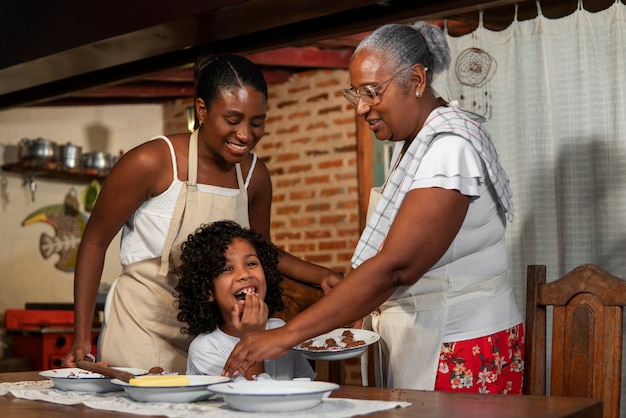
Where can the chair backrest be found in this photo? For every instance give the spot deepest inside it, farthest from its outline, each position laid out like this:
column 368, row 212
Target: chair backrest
column 586, row 356
column 297, row 297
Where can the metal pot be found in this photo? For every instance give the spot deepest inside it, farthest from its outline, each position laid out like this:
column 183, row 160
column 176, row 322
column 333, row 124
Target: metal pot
column 96, row 160
column 69, row 155
column 38, row 149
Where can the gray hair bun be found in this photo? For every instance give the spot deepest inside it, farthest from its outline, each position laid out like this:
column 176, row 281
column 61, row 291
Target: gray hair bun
column 437, row 45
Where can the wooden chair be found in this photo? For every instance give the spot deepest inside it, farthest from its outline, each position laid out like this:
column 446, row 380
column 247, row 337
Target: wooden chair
column 586, row 335
column 297, row 297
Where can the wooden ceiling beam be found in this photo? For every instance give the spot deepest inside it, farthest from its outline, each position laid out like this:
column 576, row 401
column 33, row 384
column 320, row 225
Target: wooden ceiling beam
column 140, row 90
column 169, row 84
column 157, row 41
column 311, row 57
column 290, row 57
column 118, row 43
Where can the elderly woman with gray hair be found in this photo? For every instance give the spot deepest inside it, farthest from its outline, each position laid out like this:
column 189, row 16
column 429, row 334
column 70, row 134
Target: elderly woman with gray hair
column 431, row 267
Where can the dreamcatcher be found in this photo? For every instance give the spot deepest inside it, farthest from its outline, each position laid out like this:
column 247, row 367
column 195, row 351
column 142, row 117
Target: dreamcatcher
column 474, row 67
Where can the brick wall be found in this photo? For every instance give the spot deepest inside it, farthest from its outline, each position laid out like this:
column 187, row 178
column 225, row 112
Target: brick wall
column 175, row 116
column 310, row 150
column 311, row 153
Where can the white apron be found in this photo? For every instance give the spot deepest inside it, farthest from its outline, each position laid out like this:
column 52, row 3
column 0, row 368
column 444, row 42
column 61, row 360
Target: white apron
column 141, row 326
column 411, row 329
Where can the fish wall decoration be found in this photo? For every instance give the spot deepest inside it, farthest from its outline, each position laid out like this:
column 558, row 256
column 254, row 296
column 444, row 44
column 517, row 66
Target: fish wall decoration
column 68, row 223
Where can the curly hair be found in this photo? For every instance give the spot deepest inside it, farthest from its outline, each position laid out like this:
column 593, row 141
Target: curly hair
column 203, row 260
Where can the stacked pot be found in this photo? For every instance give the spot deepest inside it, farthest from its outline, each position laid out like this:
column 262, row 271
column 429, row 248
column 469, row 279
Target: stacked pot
column 68, row 155
column 38, row 149
column 97, row 160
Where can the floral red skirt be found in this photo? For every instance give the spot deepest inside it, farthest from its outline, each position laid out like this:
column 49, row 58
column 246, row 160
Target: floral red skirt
column 490, row 364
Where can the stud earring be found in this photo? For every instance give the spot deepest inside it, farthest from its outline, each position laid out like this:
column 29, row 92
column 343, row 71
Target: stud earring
column 417, row 94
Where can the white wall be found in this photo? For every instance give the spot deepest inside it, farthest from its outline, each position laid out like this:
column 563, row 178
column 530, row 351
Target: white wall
column 25, row 275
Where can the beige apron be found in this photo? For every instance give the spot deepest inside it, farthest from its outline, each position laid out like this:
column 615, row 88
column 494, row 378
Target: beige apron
column 141, row 327
column 411, row 328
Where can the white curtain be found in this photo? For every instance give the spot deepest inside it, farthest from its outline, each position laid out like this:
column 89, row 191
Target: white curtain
column 555, row 98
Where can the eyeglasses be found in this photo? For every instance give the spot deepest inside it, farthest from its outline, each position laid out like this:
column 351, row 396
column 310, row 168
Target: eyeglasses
column 367, row 93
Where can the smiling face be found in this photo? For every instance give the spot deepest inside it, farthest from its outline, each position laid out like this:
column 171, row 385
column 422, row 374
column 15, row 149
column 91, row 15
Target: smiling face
column 396, row 115
column 233, row 123
column 242, row 274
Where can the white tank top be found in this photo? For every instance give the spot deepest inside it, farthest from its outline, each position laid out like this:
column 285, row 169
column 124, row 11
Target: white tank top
column 144, row 232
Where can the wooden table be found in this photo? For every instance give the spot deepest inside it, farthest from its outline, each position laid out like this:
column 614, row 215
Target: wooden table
column 423, row 404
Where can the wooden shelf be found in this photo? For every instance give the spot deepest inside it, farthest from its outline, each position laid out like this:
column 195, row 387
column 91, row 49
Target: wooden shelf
column 55, row 170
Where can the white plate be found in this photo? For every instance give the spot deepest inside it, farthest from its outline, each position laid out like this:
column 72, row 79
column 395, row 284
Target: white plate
column 79, row 380
column 337, row 353
column 195, row 391
column 273, row 395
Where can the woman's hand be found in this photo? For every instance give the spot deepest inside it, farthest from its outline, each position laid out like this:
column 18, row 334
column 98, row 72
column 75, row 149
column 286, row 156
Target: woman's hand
column 255, row 347
column 78, row 351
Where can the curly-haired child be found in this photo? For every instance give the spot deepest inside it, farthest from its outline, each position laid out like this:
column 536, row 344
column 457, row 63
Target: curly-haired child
column 229, row 286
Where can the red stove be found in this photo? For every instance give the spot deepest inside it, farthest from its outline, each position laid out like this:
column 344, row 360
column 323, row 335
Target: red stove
column 44, row 335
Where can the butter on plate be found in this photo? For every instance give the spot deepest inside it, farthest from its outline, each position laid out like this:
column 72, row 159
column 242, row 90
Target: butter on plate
column 165, row 380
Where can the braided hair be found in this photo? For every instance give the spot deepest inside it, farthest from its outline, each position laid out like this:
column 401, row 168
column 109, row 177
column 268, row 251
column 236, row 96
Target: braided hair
column 215, row 75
